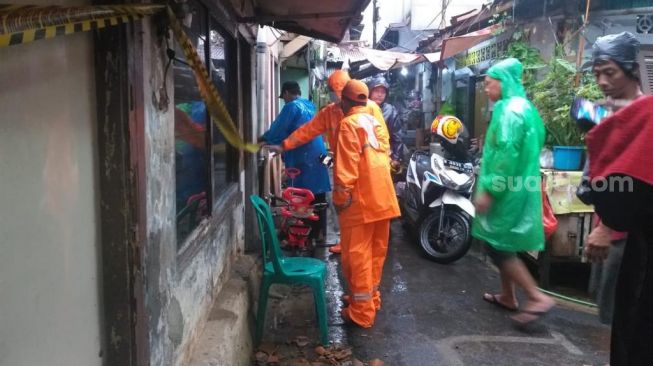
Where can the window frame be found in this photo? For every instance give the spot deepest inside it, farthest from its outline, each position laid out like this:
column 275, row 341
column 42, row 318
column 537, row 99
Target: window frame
column 220, row 203
column 232, row 103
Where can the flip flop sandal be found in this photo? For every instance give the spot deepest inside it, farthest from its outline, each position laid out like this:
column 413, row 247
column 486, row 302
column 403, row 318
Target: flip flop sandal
column 493, row 299
column 537, row 316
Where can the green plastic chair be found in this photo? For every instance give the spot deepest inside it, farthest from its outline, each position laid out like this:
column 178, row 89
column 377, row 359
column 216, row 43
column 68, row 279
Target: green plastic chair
column 280, row 269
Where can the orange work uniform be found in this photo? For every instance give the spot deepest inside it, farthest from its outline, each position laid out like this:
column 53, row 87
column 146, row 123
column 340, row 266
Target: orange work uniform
column 326, row 123
column 366, row 199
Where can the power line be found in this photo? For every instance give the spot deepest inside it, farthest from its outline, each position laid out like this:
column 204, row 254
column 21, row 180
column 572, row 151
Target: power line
column 442, row 12
column 445, row 5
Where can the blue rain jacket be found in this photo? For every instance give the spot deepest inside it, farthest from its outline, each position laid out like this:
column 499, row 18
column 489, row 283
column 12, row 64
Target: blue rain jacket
column 314, row 174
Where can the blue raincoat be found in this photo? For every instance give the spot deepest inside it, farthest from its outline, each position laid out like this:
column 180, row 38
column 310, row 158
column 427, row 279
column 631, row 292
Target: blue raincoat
column 314, row 175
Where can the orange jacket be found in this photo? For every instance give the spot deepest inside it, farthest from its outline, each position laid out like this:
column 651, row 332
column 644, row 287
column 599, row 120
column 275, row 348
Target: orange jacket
column 326, row 123
column 363, row 189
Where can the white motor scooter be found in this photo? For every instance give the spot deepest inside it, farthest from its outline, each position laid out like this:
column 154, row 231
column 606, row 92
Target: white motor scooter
column 436, row 200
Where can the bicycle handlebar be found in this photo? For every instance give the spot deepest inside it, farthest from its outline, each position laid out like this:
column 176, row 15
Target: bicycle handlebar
column 317, row 206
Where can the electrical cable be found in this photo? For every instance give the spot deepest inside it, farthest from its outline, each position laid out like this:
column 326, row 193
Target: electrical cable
column 442, row 11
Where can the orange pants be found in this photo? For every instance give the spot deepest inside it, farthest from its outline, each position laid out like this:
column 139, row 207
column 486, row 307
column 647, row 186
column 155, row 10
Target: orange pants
column 364, row 248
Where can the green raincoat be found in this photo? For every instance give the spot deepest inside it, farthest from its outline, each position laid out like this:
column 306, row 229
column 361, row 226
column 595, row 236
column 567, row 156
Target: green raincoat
column 510, row 169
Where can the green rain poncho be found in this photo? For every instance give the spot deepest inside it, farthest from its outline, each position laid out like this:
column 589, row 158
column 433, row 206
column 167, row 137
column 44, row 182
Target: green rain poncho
column 510, row 170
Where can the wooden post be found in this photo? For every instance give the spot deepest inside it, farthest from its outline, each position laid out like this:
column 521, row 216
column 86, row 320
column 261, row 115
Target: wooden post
column 122, row 226
column 581, row 44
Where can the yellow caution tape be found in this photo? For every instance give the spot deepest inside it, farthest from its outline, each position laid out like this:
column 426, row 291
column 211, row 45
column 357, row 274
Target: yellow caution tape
column 27, row 23
column 214, row 104
column 21, row 24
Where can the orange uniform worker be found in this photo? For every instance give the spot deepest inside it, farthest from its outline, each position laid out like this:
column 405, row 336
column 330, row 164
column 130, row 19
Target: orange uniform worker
column 365, row 198
column 327, row 119
column 326, row 122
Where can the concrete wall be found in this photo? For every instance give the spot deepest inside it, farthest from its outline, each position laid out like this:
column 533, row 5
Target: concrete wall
column 298, row 75
column 543, row 37
column 267, row 78
column 49, row 245
column 603, row 23
column 181, row 284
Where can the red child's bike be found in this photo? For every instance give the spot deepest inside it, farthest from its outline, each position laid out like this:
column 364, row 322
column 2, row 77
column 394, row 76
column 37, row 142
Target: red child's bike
column 297, row 212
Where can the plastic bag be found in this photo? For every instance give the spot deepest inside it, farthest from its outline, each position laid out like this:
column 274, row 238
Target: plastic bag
column 621, row 48
column 548, row 218
column 546, row 159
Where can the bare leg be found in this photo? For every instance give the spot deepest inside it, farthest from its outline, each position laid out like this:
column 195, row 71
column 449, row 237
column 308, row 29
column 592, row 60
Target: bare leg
column 507, row 296
column 515, row 270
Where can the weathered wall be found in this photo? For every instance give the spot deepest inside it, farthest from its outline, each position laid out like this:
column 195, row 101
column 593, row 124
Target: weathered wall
column 603, row 23
column 49, row 245
column 298, row 75
column 543, row 36
column 178, row 292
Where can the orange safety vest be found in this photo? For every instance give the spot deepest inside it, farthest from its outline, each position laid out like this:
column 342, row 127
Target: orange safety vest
column 363, row 188
column 326, row 123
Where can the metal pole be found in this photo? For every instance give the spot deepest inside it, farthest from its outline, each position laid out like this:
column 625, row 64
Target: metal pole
column 375, row 16
column 581, row 43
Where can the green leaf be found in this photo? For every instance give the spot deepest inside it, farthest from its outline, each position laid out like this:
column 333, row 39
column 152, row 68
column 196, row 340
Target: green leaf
column 566, row 64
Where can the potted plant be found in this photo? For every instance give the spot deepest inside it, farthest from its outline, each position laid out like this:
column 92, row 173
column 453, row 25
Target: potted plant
column 553, row 97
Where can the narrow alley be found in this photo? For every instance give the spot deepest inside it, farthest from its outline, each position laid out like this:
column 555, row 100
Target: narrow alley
column 434, row 314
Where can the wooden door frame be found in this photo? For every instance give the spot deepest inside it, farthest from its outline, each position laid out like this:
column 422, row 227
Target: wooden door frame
column 120, row 128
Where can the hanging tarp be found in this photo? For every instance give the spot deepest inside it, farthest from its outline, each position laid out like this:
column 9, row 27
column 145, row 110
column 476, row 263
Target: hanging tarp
column 386, row 60
column 433, row 57
column 364, row 58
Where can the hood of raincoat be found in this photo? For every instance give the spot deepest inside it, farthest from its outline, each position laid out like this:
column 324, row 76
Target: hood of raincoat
column 509, row 72
column 378, row 80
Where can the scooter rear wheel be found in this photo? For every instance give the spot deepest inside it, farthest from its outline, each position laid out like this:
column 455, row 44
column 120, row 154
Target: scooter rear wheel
column 454, row 241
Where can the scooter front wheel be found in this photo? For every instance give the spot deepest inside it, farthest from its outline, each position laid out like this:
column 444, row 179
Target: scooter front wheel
column 452, row 242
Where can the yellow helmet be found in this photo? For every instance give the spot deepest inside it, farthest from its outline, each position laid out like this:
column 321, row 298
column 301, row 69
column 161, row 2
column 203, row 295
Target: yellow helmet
column 448, row 127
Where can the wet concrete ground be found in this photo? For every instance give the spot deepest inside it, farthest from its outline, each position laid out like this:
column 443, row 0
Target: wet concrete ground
column 433, row 314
